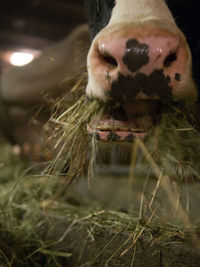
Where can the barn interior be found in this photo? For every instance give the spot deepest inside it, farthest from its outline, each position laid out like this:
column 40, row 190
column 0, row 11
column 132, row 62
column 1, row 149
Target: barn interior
column 34, row 25
column 126, row 214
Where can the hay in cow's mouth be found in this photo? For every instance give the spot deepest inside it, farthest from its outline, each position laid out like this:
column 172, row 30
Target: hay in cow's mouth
column 126, row 120
column 170, row 136
column 69, row 136
column 174, row 144
column 77, row 125
column 169, row 131
column 38, row 199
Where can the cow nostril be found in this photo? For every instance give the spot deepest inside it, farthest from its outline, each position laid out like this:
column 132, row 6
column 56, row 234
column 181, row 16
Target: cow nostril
column 170, row 59
column 110, row 60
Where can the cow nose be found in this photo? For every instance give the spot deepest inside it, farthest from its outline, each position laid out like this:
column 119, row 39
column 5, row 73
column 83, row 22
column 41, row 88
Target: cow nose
column 145, row 54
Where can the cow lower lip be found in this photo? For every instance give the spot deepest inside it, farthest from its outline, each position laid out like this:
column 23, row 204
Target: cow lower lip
column 124, row 122
column 118, row 136
column 115, row 132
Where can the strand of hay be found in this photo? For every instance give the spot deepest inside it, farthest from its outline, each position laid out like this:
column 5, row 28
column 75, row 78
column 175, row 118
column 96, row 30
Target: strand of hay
column 68, row 125
column 174, row 144
column 173, row 194
column 172, row 152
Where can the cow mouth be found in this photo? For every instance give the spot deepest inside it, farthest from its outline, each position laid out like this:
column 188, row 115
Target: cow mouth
column 124, row 121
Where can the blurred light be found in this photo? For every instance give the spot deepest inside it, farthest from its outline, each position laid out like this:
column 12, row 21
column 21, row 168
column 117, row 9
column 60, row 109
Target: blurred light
column 21, row 58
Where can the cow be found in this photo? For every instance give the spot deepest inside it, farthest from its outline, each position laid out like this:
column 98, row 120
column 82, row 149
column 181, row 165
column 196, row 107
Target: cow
column 138, row 60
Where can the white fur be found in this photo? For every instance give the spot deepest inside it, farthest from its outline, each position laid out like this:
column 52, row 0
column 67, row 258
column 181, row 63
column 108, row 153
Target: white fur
column 140, row 10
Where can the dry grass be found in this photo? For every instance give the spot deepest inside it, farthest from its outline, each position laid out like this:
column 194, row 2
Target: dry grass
column 69, row 135
column 32, row 214
column 29, row 201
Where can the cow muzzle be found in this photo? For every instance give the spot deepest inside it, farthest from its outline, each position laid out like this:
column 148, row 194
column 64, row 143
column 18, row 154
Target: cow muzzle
column 136, row 73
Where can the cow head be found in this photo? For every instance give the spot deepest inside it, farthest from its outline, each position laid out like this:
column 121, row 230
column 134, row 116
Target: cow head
column 137, row 62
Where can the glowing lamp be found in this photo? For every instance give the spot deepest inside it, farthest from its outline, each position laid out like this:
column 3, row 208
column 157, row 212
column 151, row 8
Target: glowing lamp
column 21, row 58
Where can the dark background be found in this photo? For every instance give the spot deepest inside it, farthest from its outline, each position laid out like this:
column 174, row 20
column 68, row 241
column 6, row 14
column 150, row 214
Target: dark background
column 35, row 24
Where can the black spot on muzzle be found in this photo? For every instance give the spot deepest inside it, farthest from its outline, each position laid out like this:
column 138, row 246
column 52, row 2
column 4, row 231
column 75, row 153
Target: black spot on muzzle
column 128, row 87
column 136, row 55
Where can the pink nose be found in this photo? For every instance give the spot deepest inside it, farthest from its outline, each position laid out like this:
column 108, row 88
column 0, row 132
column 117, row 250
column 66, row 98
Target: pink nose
column 140, row 54
column 129, row 56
